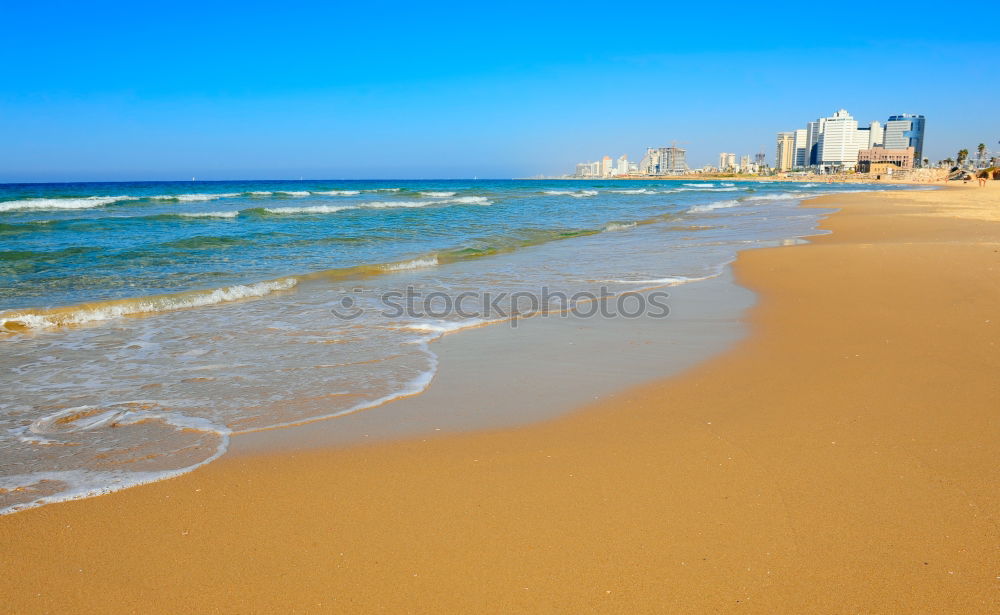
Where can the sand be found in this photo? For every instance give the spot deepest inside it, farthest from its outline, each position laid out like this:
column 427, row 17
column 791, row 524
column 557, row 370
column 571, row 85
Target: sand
column 841, row 459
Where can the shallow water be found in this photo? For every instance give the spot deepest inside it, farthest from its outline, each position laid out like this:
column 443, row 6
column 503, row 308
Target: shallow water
column 144, row 323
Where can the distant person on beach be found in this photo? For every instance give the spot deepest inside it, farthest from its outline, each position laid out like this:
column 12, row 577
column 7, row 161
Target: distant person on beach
column 983, row 177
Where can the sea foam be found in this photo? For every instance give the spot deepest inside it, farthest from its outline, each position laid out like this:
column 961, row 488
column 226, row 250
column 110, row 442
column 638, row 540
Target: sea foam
column 87, row 313
column 63, row 203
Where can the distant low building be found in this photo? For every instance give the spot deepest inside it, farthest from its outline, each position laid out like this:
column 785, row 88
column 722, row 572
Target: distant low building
column 880, row 160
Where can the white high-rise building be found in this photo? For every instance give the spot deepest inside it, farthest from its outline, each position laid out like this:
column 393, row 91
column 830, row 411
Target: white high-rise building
column 801, row 148
column 841, row 141
column 727, row 162
column 622, row 168
column 876, row 135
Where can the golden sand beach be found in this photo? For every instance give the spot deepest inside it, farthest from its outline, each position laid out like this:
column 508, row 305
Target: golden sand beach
column 841, row 459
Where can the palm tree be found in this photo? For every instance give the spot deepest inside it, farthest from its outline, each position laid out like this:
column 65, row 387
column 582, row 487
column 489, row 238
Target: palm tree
column 981, row 149
column 963, row 154
column 927, row 162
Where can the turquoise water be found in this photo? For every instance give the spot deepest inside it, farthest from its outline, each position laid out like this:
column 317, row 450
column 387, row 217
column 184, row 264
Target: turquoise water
column 143, row 324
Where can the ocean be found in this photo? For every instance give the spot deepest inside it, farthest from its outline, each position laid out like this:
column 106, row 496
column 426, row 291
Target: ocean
column 144, row 324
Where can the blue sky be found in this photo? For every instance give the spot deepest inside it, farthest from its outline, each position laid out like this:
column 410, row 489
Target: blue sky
column 125, row 90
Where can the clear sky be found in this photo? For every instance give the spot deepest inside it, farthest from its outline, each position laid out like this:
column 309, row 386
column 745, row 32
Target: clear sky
column 169, row 90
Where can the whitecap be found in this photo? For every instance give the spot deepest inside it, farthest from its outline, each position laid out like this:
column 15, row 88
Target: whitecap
column 63, row 203
column 578, row 194
column 185, row 198
column 41, row 319
column 209, row 214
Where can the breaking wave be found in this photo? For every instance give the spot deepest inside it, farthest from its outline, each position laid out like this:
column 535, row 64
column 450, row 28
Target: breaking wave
column 577, row 194
column 18, row 320
column 63, row 203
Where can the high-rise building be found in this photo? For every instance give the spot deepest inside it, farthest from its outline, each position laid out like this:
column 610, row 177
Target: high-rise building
column 727, row 162
column 622, row 168
column 606, row 166
column 814, row 130
column 664, row 161
column 876, row 135
column 801, row 145
column 906, row 130
column 785, row 155
column 841, row 141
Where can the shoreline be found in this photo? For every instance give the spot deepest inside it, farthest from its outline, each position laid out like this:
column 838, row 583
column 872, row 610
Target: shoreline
column 710, row 177
column 809, row 468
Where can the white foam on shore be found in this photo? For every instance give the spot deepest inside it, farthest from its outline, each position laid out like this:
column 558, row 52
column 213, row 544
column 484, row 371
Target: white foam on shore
column 80, row 484
column 444, row 327
column 619, row 226
column 415, row 386
column 63, row 203
column 417, row 263
column 668, row 281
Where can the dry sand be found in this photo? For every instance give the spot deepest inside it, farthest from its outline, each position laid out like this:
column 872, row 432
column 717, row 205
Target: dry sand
column 842, row 459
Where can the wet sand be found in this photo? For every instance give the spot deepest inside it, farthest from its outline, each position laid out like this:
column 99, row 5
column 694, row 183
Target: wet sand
column 842, row 458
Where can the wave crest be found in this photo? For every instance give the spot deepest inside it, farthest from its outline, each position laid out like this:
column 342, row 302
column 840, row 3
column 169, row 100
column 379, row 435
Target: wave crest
column 63, row 203
column 94, row 312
